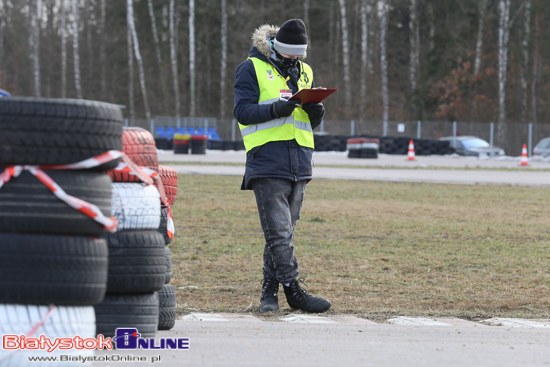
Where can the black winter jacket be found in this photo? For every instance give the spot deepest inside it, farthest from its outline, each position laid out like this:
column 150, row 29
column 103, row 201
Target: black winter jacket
column 276, row 159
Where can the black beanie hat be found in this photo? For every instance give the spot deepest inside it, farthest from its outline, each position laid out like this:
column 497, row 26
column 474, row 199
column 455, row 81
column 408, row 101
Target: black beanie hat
column 291, row 39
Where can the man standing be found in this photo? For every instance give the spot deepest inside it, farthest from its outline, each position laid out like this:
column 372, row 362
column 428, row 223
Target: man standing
column 278, row 136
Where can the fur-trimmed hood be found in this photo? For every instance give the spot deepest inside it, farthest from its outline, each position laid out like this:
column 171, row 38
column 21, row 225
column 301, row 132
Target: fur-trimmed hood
column 261, row 39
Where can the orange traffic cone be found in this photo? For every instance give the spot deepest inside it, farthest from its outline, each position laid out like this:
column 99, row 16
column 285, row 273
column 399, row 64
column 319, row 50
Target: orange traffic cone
column 524, row 159
column 411, row 156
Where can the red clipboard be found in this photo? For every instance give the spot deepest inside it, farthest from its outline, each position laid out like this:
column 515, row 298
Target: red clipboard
column 315, row 95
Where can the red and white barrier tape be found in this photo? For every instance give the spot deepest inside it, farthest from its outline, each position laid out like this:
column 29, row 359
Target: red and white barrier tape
column 90, row 162
column 149, row 177
column 82, row 206
column 146, row 175
column 170, row 229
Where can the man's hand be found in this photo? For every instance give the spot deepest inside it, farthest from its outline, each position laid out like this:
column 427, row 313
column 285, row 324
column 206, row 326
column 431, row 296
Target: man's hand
column 283, row 108
column 315, row 111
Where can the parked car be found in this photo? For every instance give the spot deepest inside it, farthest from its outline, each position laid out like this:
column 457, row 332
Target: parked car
column 472, row 146
column 542, row 148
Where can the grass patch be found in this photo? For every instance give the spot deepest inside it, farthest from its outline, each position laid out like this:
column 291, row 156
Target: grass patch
column 375, row 249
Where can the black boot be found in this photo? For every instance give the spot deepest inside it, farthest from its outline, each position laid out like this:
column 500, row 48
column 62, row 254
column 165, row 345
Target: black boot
column 269, row 300
column 298, row 298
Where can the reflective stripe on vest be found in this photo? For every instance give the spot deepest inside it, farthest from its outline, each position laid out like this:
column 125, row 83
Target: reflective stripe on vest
column 296, row 126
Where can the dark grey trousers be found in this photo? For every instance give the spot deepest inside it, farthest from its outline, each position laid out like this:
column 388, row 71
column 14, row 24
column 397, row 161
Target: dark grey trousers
column 279, row 205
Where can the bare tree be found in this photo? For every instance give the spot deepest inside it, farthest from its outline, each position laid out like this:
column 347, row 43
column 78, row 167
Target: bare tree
column 525, row 65
column 482, row 7
column 159, row 56
column 174, row 60
column 415, row 47
column 503, row 36
column 536, row 66
column 102, row 58
column 224, row 60
column 306, row 21
column 345, row 55
column 48, row 8
column 2, row 27
column 364, row 59
column 371, row 28
column 36, row 45
column 75, row 52
column 192, row 101
column 132, row 27
column 130, row 76
column 63, row 51
column 384, row 64
column 431, row 23
column 89, row 16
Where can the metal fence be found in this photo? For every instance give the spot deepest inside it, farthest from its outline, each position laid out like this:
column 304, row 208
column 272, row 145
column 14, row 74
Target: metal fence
column 517, row 134
column 166, row 121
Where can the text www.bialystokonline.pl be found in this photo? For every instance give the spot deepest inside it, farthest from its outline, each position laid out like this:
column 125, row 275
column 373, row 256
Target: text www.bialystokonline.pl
column 106, row 358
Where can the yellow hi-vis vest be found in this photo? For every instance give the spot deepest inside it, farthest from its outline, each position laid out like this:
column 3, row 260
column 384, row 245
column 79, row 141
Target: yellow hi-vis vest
column 296, row 126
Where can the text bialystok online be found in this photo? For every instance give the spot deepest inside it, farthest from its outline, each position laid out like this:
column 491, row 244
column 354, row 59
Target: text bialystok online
column 125, row 339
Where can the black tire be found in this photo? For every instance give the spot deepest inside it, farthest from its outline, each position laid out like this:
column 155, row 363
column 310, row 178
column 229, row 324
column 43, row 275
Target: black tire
column 137, row 262
column 239, row 145
column 167, row 318
column 167, row 296
column 44, row 269
column 162, row 143
column 228, row 145
column 27, row 206
column 40, row 131
column 167, row 307
column 140, row 311
column 168, row 255
column 163, row 228
column 215, row 144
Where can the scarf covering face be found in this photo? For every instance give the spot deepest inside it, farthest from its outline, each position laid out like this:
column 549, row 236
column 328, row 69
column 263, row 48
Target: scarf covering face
column 289, row 64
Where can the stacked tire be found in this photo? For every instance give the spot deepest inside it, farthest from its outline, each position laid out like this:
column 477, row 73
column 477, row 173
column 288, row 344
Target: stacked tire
column 167, row 295
column 53, row 263
column 362, row 148
column 400, row 146
column 137, row 257
column 226, row 144
column 387, row 145
column 181, row 143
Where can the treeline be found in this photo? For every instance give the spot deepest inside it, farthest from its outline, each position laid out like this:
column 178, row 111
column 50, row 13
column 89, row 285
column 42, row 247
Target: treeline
column 402, row 60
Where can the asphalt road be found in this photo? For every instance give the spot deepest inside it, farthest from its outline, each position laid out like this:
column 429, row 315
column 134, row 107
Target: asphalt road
column 249, row 343
column 435, row 169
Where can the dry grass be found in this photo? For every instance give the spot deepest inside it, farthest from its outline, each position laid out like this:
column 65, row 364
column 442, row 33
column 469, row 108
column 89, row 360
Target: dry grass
column 374, row 249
